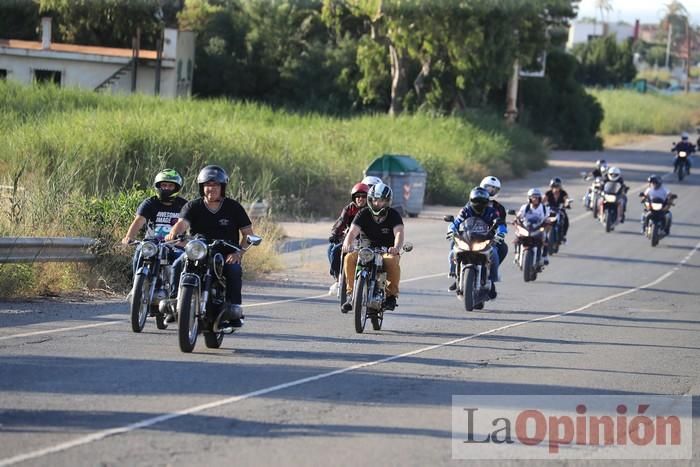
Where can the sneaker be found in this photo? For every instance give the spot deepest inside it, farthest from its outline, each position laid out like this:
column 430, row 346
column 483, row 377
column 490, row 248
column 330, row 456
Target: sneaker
column 545, row 260
column 333, row 289
column 492, row 292
column 453, row 286
column 347, row 306
column 390, row 302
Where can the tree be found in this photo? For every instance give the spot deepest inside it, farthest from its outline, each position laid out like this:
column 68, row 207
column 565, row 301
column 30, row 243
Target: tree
column 605, row 63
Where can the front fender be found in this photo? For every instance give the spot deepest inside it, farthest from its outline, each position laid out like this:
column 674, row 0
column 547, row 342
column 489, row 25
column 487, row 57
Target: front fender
column 188, row 279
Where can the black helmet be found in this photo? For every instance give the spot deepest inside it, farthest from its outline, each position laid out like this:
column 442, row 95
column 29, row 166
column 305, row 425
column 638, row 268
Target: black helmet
column 478, row 199
column 170, row 176
column 654, row 180
column 601, row 164
column 379, row 191
column 212, row 173
column 555, row 182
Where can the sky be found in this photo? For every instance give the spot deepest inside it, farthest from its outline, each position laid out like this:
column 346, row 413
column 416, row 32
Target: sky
column 647, row 11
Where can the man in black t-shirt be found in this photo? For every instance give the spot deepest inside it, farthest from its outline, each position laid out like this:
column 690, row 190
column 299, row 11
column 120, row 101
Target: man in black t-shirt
column 217, row 217
column 383, row 227
column 159, row 214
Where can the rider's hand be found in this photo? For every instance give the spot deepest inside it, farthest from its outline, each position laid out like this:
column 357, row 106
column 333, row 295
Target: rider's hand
column 500, row 237
column 234, row 258
column 127, row 240
column 333, row 239
column 393, row 250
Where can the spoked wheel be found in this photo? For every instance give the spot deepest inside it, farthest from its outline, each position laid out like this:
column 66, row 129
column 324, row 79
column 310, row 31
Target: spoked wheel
column 187, row 324
column 139, row 306
column 213, row 340
column 360, row 304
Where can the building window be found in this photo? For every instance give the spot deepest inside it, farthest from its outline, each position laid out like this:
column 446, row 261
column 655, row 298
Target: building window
column 47, row 76
column 3, row 74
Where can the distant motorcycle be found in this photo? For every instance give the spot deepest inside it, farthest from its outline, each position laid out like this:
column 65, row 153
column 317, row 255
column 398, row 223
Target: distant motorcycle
column 472, row 254
column 681, row 165
column 151, row 283
column 555, row 233
column 529, row 246
column 655, row 210
column 202, row 293
column 590, row 199
column 370, row 287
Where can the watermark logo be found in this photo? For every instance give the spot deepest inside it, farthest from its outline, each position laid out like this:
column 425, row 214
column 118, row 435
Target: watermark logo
column 571, row 427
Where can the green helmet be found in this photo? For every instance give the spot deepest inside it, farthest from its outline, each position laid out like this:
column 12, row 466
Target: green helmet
column 168, row 175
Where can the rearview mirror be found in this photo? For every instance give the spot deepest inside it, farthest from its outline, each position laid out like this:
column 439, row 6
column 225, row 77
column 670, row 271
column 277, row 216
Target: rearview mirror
column 449, row 218
column 254, row 239
column 408, row 246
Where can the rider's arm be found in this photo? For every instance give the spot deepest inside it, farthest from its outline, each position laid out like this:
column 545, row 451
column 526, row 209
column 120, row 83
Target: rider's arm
column 135, row 227
column 179, row 228
column 398, row 240
column 350, row 237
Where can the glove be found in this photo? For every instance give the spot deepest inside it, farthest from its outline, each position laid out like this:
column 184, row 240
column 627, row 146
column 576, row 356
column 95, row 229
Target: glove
column 451, row 232
column 500, row 237
column 333, row 239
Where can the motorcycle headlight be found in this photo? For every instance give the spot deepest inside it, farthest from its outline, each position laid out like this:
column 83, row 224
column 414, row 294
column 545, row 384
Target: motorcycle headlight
column 657, row 206
column 196, row 250
column 365, row 255
column 478, row 246
column 610, row 198
column 148, row 249
column 683, row 154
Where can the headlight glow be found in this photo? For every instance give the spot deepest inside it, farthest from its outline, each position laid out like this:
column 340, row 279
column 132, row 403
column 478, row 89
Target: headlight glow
column 365, row 255
column 148, row 249
column 657, row 206
column 196, row 250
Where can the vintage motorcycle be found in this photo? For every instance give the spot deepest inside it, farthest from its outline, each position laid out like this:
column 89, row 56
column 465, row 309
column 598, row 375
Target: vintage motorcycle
column 151, row 282
column 529, row 245
column 608, row 205
column 655, row 217
column 681, row 165
column 202, row 293
column 590, row 199
column 472, row 248
column 370, row 286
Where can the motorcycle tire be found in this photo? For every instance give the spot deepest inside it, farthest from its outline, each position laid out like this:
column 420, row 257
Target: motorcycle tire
column 529, row 265
column 342, row 290
column 654, row 234
column 213, row 340
column 468, row 286
column 377, row 321
column 187, row 323
column 359, row 303
column 608, row 222
column 139, row 307
column 554, row 242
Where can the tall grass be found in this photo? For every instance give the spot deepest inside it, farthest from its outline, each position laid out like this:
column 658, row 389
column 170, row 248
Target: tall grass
column 631, row 112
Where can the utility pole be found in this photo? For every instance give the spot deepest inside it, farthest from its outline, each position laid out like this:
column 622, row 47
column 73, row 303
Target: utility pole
column 512, row 98
column 687, row 62
column 668, row 43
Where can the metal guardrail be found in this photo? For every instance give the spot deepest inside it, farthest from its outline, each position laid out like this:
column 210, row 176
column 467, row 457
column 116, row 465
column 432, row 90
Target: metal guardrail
column 46, row 249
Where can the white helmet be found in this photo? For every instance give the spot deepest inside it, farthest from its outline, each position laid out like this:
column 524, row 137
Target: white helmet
column 534, row 192
column 614, row 174
column 371, row 180
column 491, row 184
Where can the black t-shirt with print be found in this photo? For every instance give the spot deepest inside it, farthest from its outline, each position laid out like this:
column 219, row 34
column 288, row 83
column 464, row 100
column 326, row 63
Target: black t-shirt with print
column 160, row 218
column 378, row 233
column 224, row 224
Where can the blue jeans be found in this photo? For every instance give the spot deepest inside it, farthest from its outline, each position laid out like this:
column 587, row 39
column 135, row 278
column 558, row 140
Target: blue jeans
column 234, row 283
column 334, row 251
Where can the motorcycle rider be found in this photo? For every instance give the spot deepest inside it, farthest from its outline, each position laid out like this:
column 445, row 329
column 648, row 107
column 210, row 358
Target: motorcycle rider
column 358, row 194
column 159, row 214
column 478, row 206
column 615, row 175
column 656, row 190
column 601, row 168
column 383, row 226
column 493, row 186
column 557, row 198
column 683, row 145
column 535, row 212
column 218, row 217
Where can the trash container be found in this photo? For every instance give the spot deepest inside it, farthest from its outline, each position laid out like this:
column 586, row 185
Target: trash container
column 406, row 177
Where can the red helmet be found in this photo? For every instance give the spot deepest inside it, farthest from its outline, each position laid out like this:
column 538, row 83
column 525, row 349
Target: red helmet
column 359, row 188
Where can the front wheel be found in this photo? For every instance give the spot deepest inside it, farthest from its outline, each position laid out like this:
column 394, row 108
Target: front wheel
column 139, row 306
column 528, row 265
column 342, row 290
column 360, row 304
column 609, row 220
column 187, row 324
column 654, row 234
column 468, row 288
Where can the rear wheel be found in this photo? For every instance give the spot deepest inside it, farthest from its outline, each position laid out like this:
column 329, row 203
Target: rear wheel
column 528, row 265
column 187, row 325
column 377, row 321
column 160, row 321
column 554, row 241
column 468, row 284
column 139, row 306
column 213, row 340
column 360, row 304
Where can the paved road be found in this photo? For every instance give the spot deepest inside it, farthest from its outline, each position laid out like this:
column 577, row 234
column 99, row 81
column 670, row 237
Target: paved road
column 297, row 386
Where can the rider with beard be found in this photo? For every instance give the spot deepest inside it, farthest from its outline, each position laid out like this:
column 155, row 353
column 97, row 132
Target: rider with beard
column 358, row 194
column 557, row 198
column 683, row 145
column 218, row 217
column 653, row 191
column 159, row 214
column 535, row 212
column 382, row 226
column 478, row 207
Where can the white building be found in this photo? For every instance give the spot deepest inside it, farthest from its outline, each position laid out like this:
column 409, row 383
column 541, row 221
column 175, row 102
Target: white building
column 583, row 31
column 102, row 68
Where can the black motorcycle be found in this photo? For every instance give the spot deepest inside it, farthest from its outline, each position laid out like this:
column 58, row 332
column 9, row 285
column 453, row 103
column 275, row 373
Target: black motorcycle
column 608, row 205
column 555, row 233
column 202, row 294
column 370, row 287
column 151, row 283
column 472, row 254
column 681, row 165
column 655, row 227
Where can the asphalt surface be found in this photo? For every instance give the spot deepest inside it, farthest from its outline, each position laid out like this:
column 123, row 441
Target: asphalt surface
column 297, row 386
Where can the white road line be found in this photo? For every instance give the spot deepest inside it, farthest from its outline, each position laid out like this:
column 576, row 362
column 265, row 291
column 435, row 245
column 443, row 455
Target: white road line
column 109, row 323
column 99, row 435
